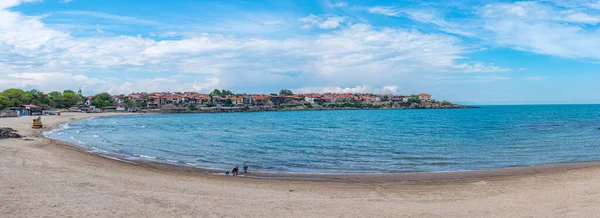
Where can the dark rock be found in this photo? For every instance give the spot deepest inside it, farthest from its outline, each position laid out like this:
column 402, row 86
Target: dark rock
column 6, row 133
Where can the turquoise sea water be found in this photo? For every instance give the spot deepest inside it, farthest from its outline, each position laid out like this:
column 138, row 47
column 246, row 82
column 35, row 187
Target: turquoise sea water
column 358, row 141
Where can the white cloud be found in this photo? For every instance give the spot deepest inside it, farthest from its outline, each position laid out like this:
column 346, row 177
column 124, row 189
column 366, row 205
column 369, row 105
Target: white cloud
column 579, row 17
column 542, row 28
column 534, row 11
column 424, row 17
column 65, row 1
column 332, row 22
column 431, row 17
column 208, row 85
column 388, row 11
column 356, row 89
column 479, row 67
column 340, row 4
column 277, row 22
column 4, row 4
column 392, row 89
column 105, row 16
column 336, row 89
column 59, row 81
column 35, row 55
column 325, row 22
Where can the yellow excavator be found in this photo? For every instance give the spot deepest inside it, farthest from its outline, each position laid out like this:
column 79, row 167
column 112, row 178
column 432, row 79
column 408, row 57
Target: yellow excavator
column 37, row 123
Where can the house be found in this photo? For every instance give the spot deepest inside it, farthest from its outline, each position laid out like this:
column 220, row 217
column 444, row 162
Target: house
column 218, row 100
column 398, row 98
column 424, row 97
column 137, row 98
column 118, row 99
column 260, row 99
column 32, row 109
column 309, row 100
column 276, row 100
column 202, row 99
column 154, row 102
column 237, row 100
column 248, row 100
column 19, row 111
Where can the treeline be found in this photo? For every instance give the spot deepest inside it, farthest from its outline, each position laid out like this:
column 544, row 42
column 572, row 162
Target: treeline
column 66, row 99
column 16, row 97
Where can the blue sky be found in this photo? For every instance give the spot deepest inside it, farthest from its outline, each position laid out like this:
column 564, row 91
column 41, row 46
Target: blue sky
column 479, row 52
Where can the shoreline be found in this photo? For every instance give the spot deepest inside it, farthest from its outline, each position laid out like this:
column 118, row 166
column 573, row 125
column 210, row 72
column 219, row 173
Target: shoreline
column 42, row 178
column 345, row 177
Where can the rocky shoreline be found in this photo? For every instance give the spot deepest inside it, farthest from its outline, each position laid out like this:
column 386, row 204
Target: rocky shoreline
column 7, row 133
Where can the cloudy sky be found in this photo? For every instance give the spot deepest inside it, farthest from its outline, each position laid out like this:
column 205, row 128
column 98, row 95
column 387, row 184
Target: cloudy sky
column 479, row 52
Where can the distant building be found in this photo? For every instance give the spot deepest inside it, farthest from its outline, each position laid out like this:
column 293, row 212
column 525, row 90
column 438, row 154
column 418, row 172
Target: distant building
column 398, row 98
column 118, row 99
column 32, row 109
column 277, row 100
column 424, row 97
column 88, row 100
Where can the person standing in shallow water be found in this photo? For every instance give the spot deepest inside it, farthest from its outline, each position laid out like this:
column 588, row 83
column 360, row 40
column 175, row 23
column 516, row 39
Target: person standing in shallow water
column 245, row 169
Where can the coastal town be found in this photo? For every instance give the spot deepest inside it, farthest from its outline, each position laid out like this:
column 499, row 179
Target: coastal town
column 15, row 102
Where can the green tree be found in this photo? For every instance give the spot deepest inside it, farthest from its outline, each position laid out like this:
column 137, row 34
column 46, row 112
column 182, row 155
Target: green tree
column 216, row 92
column 70, row 98
column 5, row 102
column 285, row 92
column 228, row 102
column 415, row 99
column 17, row 97
column 385, row 98
column 128, row 103
column 37, row 97
column 55, row 99
column 103, row 100
column 140, row 104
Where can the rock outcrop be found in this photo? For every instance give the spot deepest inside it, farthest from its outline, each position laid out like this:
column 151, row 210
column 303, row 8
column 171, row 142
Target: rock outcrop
column 6, row 133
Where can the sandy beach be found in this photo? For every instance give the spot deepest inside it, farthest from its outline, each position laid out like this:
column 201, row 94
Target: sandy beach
column 40, row 177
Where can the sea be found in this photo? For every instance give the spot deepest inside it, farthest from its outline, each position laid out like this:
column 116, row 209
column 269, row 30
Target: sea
column 351, row 141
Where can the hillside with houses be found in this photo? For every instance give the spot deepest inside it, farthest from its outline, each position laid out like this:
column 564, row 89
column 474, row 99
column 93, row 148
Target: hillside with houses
column 16, row 101
column 225, row 100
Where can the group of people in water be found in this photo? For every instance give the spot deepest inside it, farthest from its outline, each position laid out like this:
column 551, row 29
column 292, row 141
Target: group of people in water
column 236, row 170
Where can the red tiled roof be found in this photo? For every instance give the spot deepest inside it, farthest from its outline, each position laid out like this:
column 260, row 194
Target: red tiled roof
column 29, row 105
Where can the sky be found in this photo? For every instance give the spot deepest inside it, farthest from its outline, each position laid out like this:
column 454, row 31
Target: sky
column 474, row 52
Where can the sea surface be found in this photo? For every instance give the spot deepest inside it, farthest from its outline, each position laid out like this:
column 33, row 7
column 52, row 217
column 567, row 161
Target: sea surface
column 351, row 141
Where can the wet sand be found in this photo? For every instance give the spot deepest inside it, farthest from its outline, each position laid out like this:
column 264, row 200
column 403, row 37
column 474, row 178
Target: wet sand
column 48, row 178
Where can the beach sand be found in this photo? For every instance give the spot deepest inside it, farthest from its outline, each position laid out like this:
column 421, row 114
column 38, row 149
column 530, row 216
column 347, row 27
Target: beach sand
column 45, row 178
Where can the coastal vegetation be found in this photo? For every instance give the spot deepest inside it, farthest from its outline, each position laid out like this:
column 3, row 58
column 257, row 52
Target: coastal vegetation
column 16, row 97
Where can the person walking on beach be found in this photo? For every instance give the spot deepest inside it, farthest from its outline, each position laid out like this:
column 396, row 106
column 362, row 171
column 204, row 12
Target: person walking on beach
column 245, row 169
